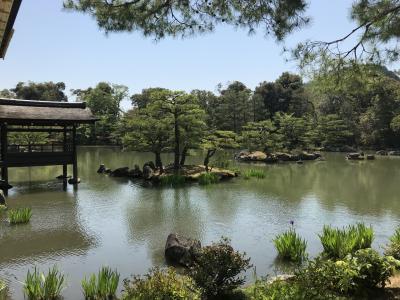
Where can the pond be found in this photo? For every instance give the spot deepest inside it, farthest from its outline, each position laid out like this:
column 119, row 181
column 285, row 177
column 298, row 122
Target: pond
column 124, row 224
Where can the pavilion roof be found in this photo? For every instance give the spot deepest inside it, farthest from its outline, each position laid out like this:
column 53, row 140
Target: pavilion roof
column 8, row 13
column 33, row 112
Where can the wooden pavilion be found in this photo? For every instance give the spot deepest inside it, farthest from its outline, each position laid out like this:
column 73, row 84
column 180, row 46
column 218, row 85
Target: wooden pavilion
column 55, row 118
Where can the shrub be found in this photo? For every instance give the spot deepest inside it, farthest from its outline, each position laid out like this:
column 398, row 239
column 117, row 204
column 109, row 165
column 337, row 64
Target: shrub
column 160, row 285
column 3, row 290
column 216, row 271
column 393, row 248
column 104, row 286
column 259, row 174
column 3, row 207
column 374, row 270
column 38, row 286
column 19, row 215
column 208, row 178
column 172, row 180
column 354, row 275
column 291, row 246
column 337, row 243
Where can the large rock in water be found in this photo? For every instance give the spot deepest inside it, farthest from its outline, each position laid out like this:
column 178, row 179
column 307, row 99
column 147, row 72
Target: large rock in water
column 101, row 169
column 135, row 172
column 148, row 172
column 120, row 172
column 251, row 156
column 394, row 153
column 181, row 250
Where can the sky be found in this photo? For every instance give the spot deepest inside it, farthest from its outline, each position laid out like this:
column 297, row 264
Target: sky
column 50, row 44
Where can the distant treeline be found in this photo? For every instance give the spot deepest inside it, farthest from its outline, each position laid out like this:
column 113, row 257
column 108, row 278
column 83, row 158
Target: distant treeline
column 360, row 106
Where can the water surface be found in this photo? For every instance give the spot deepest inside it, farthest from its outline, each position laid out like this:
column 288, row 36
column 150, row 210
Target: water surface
column 124, row 224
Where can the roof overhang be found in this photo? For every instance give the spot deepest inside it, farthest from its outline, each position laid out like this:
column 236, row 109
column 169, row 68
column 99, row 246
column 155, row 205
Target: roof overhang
column 41, row 113
column 8, row 13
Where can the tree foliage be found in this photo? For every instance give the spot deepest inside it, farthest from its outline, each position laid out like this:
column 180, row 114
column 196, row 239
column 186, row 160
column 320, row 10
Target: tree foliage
column 47, row 91
column 104, row 101
column 185, row 18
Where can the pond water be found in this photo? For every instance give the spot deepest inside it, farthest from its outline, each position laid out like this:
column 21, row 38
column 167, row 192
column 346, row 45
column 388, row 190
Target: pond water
column 124, row 224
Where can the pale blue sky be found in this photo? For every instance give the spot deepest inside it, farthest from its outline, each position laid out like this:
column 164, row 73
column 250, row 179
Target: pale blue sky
column 50, row 44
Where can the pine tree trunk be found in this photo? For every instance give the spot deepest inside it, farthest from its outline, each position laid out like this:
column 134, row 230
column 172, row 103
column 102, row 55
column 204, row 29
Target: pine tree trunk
column 183, row 156
column 210, row 153
column 177, row 143
column 159, row 164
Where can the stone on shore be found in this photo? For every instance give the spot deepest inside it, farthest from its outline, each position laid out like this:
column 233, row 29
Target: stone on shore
column 101, row 169
column 120, row 172
column 181, row 250
column 148, row 172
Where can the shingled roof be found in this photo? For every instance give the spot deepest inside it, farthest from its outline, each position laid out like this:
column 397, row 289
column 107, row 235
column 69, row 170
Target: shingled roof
column 33, row 112
column 8, row 13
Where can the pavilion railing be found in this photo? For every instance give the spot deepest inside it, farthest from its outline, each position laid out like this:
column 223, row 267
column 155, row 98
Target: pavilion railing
column 29, row 148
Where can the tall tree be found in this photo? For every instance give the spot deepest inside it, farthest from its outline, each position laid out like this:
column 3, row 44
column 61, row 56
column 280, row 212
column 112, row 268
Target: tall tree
column 234, row 107
column 188, row 17
column 181, row 122
column 261, row 135
column 47, row 91
column 146, row 129
column 141, row 100
column 104, row 101
column 285, row 95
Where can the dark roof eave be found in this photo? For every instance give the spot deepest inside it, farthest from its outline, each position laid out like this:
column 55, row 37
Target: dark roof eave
column 9, row 28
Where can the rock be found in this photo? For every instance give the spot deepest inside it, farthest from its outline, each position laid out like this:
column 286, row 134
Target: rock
column 148, row 172
column 283, row 277
column 251, row 156
column 299, row 162
column 74, row 180
column 370, row 157
column 4, row 185
column 2, row 198
column 150, row 164
column 381, row 152
column 271, row 159
column 135, row 172
column 355, row 156
column 181, row 250
column 108, row 171
column 120, row 172
column 101, row 169
column 257, row 156
column 284, row 156
column 307, row 156
column 394, row 153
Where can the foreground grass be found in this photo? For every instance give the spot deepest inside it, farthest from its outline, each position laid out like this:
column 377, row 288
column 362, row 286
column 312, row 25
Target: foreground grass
column 19, row 215
column 38, row 286
column 102, row 286
column 259, row 174
column 291, row 246
column 208, row 178
column 338, row 243
column 172, row 180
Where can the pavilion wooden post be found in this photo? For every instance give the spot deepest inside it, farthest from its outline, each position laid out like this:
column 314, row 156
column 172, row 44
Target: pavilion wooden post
column 74, row 157
column 4, row 146
column 65, row 166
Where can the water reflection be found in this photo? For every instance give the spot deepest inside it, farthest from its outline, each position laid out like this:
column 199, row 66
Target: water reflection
column 124, row 223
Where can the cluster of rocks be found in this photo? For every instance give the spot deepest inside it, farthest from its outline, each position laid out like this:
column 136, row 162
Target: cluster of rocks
column 386, row 153
column 150, row 172
column 359, row 156
column 259, row 156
